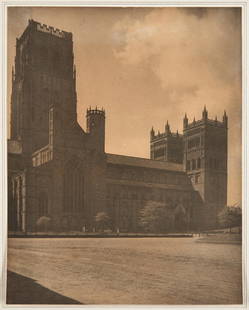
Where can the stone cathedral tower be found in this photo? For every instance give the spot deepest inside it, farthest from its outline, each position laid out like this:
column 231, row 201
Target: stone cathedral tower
column 43, row 86
column 56, row 151
column 202, row 149
column 166, row 146
column 205, row 160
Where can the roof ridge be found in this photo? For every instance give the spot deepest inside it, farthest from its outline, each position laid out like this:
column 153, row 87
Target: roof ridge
column 143, row 162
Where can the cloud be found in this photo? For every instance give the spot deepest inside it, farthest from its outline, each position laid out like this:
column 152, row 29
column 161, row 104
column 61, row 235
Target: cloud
column 186, row 51
column 195, row 55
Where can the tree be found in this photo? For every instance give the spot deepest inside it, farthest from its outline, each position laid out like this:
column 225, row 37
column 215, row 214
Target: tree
column 102, row 220
column 230, row 217
column 156, row 217
column 181, row 218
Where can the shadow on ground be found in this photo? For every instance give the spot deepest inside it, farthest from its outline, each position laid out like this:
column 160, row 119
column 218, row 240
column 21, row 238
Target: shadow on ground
column 24, row 290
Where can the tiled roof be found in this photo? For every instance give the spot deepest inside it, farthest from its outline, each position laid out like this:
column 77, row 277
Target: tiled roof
column 143, row 162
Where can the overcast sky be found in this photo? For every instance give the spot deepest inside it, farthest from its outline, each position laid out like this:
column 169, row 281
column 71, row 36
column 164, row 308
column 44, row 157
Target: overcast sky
column 149, row 65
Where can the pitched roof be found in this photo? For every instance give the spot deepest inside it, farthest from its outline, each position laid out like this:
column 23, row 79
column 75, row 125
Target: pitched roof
column 143, row 162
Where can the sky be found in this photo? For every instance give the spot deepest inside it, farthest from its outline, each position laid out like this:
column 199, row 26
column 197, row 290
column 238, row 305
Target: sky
column 149, row 65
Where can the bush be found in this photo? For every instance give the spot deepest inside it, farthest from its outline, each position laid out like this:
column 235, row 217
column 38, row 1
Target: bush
column 156, row 217
column 230, row 217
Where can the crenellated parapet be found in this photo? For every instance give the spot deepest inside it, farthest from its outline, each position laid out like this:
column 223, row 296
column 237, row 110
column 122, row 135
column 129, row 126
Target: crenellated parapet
column 46, row 29
column 54, row 31
column 159, row 135
column 95, row 126
column 166, row 146
column 205, row 121
column 167, row 133
column 95, row 111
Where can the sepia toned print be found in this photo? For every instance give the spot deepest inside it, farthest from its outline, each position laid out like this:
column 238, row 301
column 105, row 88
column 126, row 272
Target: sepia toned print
column 104, row 208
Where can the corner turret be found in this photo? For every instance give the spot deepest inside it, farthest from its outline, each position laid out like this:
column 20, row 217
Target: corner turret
column 185, row 121
column 167, row 129
column 205, row 113
column 96, row 128
column 225, row 119
column 152, row 133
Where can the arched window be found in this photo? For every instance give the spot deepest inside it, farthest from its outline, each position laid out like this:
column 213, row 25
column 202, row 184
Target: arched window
column 43, row 204
column 73, row 187
column 193, row 164
column 188, row 164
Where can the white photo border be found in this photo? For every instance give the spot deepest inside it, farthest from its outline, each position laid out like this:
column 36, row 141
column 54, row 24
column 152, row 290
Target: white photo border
column 245, row 137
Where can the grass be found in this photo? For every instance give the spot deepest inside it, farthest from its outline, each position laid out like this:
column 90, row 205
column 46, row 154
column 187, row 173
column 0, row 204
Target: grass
column 129, row 270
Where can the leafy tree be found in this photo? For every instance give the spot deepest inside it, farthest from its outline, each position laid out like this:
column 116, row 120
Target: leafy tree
column 230, row 217
column 156, row 217
column 181, row 218
column 102, row 220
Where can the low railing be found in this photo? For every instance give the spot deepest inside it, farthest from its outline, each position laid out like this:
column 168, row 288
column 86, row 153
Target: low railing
column 42, row 156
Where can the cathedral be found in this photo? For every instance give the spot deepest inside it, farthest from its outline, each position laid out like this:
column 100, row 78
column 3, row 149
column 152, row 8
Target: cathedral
column 58, row 170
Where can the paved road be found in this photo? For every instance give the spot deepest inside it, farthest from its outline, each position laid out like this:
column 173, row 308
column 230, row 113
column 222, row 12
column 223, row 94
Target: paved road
column 124, row 271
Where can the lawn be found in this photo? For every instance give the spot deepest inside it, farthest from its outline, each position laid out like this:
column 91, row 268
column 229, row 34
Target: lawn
column 123, row 271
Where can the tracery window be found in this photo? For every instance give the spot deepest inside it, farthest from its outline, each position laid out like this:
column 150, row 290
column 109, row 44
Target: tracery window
column 43, row 204
column 73, row 187
column 193, row 164
column 188, row 164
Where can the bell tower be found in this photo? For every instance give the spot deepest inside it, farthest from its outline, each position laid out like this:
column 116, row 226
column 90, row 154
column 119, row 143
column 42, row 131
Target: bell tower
column 166, row 146
column 43, row 86
column 205, row 158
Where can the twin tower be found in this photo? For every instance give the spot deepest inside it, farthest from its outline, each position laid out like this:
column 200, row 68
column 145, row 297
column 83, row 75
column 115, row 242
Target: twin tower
column 202, row 149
